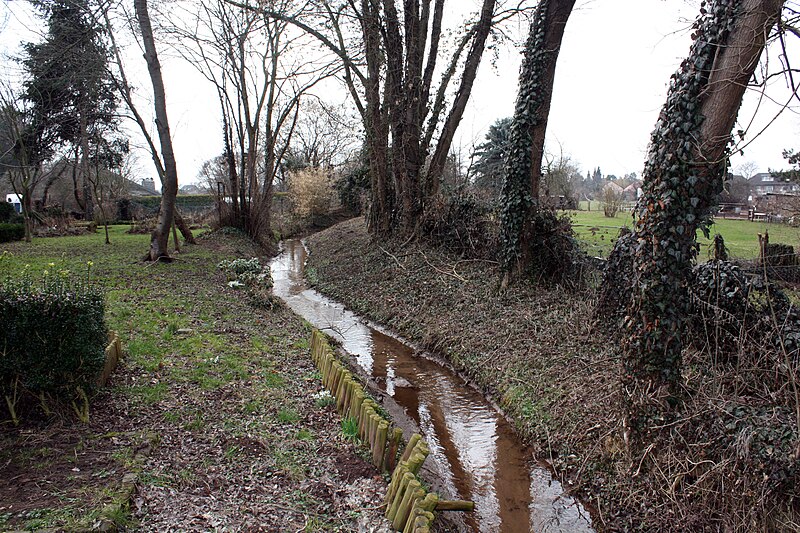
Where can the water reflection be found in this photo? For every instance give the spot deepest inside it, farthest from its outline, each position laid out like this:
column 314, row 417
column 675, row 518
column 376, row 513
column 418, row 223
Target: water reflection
column 477, row 452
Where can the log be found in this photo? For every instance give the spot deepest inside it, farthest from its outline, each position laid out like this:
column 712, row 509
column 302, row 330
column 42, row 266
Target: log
column 455, row 505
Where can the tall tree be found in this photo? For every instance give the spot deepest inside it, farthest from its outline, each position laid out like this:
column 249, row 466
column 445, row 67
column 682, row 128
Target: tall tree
column 169, row 190
column 260, row 83
column 124, row 89
column 490, row 157
column 683, row 176
column 390, row 54
column 68, row 84
column 520, row 199
column 24, row 147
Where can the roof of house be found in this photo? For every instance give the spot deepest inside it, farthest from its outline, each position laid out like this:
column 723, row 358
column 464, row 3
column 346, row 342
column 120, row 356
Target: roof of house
column 767, row 178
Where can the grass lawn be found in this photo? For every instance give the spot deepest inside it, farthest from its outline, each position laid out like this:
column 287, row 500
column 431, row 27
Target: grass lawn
column 598, row 233
column 216, row 385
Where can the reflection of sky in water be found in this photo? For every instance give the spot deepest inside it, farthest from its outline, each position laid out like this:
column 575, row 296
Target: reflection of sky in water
column 480, row 457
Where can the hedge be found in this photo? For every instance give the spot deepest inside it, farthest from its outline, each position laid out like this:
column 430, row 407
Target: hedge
column 52, row 341
column 11, row 232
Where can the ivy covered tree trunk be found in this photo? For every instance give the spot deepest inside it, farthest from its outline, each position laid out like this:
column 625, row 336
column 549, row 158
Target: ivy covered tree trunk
column 169, row 189
column 683, row 177
column 520, row 194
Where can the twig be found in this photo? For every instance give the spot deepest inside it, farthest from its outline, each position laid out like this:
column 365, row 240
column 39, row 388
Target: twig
column 392, row 256
column 446, row 273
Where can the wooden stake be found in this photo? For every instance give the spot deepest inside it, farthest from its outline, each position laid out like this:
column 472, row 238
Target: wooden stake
column 404, row 509
column 380, row 444
column 391, row 510
column 391, row 451
column 412, row 443
column 397, row 476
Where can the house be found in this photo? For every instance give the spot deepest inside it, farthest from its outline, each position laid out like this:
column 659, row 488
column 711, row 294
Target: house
column 16, row 201
column 633, row 191
column 765, row 183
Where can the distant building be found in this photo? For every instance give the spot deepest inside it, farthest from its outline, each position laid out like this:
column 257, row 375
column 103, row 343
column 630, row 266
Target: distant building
column 765, row 183
column 16, row 201
column 149, row 184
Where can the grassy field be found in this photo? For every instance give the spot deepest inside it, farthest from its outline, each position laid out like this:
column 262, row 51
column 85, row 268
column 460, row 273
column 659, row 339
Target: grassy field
column 598, row 233
column 219, row 385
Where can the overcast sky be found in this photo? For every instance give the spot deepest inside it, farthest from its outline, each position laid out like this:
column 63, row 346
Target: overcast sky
column 611, row 81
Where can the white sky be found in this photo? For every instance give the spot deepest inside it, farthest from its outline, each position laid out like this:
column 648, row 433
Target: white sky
column 612, row 77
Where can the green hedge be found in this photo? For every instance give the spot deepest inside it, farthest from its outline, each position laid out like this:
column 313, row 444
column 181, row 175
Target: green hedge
column 53, row 338
column 8, row 213
column 11, row 232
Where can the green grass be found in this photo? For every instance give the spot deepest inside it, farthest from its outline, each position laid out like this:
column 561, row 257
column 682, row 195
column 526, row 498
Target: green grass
column 598, row 233
column 234, row 372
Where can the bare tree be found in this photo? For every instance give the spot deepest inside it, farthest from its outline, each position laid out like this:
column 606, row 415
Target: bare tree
column 125, row 91
column 390, row 56
column 23, row 149
column 169, row 190
column 260, row 83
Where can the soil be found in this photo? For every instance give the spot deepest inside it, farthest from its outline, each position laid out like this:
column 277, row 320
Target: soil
column 212, row 410
column 535, row 350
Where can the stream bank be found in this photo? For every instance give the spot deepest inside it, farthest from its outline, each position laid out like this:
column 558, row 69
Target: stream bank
column 475, row 454
column 533, row 350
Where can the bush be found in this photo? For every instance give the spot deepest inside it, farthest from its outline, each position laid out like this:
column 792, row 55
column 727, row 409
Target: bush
column 311, row 193
column 612, row 201
column 11, row 232
column 462, row 223
column 353, row 188
column 53, row 338
column 8, row 213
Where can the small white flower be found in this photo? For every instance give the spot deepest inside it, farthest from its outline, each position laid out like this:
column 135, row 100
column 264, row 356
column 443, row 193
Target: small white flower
column 235, row 284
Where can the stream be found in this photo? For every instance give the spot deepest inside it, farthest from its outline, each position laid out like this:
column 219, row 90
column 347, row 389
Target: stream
column 475, row 452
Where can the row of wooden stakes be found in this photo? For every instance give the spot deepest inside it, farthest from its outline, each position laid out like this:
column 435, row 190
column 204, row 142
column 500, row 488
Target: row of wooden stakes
column 409, row 507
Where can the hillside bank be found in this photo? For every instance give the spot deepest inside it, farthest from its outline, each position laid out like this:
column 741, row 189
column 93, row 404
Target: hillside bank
column 727, row 463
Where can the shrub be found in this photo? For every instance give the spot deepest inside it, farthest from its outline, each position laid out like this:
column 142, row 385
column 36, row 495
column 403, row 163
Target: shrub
column 252, row 276
column 311, row 193
column 462, row 223
column 8, row 213
column 612, row 201
column 618, row 284
column 353, row 188
column 53, row 339
column 11, row 232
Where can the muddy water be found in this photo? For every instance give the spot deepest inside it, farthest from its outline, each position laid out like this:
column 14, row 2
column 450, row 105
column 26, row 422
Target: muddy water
column 477, row 456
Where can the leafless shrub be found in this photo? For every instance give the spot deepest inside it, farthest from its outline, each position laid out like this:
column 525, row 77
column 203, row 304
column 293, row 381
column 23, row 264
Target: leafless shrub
column 311, row 193
column 612, row 201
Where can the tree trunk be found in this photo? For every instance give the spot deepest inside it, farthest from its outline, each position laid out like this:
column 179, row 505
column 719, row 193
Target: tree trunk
column 683, row 176
column 184, row 228
column 473, row 61
column 376, row 127
column 169, row 189
column 520, row 196
column 88, row 198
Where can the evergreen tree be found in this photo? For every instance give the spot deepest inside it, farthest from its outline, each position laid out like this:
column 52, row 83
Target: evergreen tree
column 68, row 85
